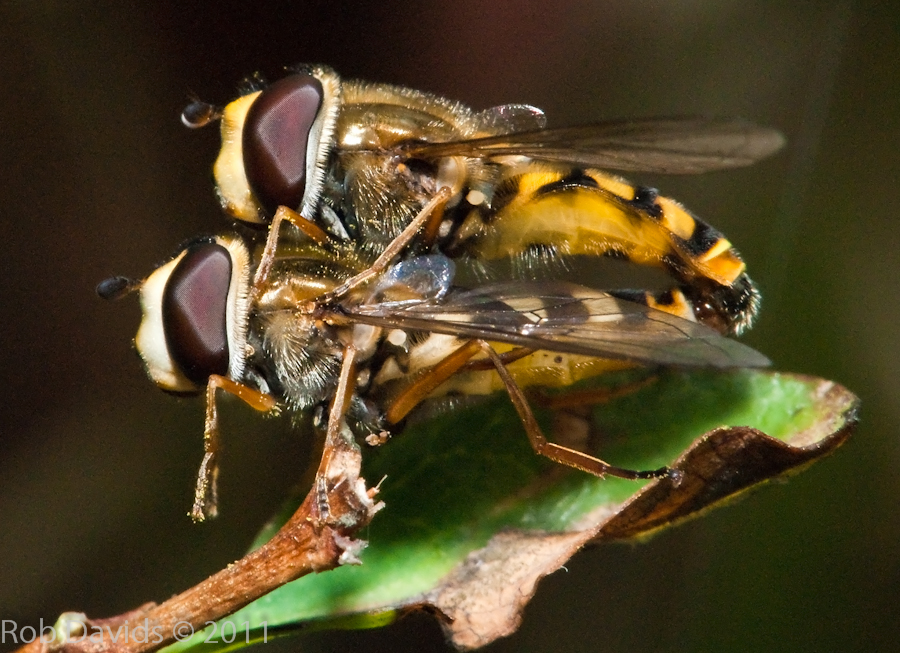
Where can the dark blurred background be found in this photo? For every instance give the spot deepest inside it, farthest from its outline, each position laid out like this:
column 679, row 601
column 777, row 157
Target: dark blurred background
column 100, row 178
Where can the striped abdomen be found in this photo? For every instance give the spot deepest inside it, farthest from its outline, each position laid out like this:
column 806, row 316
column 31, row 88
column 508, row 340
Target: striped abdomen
column 572, row 212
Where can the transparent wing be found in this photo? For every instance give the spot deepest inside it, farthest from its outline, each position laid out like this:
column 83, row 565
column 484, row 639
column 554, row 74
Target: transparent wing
column 566, row 318
column 509, row 118
column 667, row 145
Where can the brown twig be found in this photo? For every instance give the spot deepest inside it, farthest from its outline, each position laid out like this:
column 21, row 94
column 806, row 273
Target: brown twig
column 313, row 540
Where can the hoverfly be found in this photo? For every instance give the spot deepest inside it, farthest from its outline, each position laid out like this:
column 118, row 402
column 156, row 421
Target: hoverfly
column 316, row 326
column 357, row 162
column 358, row 313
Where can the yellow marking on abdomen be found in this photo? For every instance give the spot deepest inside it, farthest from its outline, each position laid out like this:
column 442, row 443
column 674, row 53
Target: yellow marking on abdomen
column 542, row 368
column 583, row 220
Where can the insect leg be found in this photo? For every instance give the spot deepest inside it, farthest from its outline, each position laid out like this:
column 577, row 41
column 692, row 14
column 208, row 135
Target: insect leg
column 417, row 391
column 592, row 396
column 551, row 450
column 447, row 367
column 205, row 494
column 432, row 227
column 395, row 247
column 337, row 411
column 507, row 357
column 267, row 258
column 339, row 404
column 310, row 229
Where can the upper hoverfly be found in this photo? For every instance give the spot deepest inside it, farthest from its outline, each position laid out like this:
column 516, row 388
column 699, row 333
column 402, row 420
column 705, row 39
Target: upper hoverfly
column 358, row 161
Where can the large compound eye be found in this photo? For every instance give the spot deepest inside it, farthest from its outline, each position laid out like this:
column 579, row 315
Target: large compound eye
column 275, row 138
column 194, row 312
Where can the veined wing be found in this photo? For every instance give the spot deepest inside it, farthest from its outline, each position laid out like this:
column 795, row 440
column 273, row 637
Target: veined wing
column 566, row 318
column 662, row 145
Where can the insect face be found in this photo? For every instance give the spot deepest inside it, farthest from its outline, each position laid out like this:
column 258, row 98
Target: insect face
column 275, row 145
column 195, row 316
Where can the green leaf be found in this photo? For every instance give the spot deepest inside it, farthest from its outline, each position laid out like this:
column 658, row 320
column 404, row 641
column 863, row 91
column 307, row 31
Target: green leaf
column 473, row 518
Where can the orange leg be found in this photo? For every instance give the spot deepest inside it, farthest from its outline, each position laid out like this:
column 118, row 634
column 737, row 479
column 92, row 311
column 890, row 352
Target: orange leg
column 507, row 357
column 422, row 387
column 336, row 413
column 396, row 246
column 310, row 229
column 417, row 391
column 555, row 452
column 267, row 258
column 206, row 493
column 591, row 396
column 431, row 228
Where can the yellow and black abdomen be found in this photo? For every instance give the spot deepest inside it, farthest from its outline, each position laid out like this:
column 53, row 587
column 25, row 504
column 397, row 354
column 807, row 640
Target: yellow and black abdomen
column 592, row 213
column 571, row 211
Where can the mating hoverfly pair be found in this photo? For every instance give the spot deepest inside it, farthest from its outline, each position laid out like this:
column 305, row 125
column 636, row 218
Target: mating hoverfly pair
column 354, row 311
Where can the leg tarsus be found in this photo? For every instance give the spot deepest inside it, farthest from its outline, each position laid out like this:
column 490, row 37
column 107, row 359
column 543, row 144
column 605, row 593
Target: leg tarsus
column 206, row 493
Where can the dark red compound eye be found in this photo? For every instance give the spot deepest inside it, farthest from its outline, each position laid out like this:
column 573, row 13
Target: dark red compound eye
column 193, row 311
column 275, row 136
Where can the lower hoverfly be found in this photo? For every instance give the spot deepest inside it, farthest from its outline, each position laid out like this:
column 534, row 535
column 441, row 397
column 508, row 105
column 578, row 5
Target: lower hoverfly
column 356, row 161
column 319, row 326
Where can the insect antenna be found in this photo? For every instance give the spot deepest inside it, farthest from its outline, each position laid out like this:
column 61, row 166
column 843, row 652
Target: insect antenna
column 118, row 287
column 199, row 114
